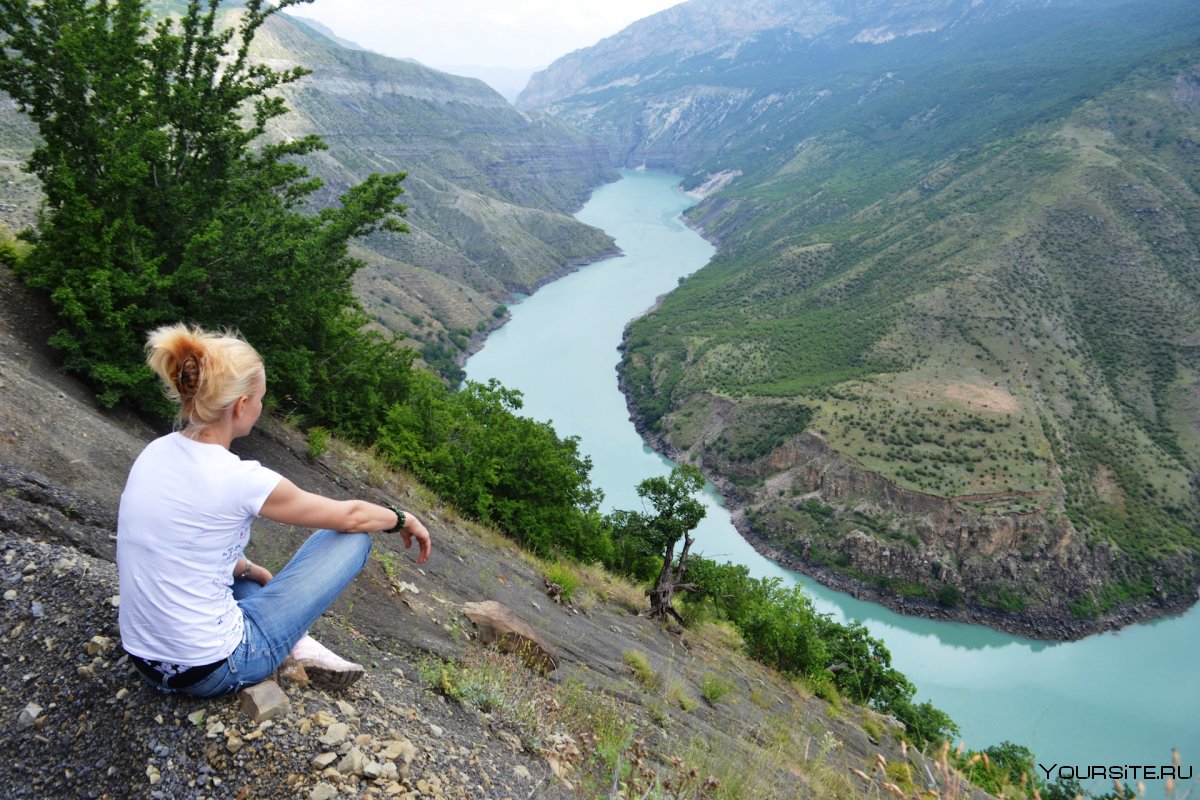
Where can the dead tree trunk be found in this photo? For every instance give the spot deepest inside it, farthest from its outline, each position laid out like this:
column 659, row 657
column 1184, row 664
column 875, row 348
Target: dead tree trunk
column 669, row 581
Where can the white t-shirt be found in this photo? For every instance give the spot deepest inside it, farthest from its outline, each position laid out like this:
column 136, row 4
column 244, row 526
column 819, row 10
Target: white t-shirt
column 184, row 520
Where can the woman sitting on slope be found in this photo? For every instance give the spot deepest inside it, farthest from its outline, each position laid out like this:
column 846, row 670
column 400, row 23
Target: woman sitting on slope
column 196, row 615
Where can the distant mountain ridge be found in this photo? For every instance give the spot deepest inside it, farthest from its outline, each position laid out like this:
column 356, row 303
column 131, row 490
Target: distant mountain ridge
column 947, row 351
column 719, row 28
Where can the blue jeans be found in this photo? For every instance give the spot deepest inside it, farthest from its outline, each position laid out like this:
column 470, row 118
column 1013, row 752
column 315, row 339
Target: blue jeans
column 278, row 614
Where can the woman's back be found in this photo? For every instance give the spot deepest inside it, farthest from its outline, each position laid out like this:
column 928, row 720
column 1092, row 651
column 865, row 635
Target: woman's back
column 184, row 520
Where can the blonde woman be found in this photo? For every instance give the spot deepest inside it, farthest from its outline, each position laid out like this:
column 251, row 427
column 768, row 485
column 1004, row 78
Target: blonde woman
column 196, row 615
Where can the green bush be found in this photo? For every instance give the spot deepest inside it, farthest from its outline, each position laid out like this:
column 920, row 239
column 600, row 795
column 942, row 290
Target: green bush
column 157, row 208
column 780, row 628
column 318, row 441
column 566, row 577
column 949, row 596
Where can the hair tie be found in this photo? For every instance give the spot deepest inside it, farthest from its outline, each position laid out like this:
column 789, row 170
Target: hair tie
column 188, row 377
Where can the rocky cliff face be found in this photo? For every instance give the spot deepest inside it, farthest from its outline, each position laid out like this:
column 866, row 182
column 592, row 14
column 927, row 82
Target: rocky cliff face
column 815, row 509
column 687, row 88
column 489, row 189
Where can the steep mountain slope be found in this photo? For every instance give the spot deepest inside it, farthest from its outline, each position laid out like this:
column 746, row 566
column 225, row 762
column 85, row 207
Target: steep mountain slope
column 63, row 463
column 948, row 348
column 489, row 189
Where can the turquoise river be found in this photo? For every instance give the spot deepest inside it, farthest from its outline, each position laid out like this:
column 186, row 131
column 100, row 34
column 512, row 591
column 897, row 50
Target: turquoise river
column 1124, row 698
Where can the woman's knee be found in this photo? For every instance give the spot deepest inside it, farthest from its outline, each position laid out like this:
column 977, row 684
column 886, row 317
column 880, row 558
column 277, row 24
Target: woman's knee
column 362, row 543
column 354, row 548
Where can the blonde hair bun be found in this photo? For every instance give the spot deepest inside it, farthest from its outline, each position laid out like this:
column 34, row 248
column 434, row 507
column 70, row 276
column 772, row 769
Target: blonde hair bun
column 203, row 372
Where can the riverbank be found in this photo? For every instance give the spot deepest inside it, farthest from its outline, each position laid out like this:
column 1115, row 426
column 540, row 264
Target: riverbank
column 1040, row 625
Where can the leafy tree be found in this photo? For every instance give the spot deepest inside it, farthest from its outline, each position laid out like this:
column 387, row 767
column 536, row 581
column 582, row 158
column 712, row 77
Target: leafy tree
column 676, row 514
column 157, row 208
column 472, row 448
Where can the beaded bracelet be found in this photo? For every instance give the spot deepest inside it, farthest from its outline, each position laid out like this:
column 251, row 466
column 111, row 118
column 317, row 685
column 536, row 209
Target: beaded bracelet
column 400, row 520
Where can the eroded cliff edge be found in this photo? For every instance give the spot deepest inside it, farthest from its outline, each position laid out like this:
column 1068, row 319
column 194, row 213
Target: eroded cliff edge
column 810, row 508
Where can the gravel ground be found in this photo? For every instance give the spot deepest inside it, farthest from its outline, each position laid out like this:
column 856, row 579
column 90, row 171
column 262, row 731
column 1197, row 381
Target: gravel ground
column 76, row 721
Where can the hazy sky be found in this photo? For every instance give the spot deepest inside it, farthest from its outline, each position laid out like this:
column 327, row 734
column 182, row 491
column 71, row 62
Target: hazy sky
column 491, row 33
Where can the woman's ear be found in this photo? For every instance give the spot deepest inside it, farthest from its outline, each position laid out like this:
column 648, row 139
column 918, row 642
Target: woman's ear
column 239, row 405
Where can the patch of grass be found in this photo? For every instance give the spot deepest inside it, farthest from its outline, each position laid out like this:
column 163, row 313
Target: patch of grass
column 678, row 694
column 586, row 601
column 639, row 665
column 824, row 688
column 565, row 575
column 899, row 773
column 714, row 687
column 657, row 709
column 388, row 560
column 498, row 684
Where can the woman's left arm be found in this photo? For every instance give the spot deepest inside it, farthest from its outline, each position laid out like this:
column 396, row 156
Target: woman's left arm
column 291, row 505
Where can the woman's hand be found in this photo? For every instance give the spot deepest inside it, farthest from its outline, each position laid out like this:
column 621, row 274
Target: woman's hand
column 257, row 573
column 260, row 575
column 414, row 529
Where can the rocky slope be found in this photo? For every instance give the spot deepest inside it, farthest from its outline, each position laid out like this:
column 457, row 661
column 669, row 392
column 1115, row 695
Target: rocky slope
column 76, row 720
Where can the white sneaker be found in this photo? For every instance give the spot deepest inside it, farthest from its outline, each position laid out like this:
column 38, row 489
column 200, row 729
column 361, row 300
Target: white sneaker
column 325, row 668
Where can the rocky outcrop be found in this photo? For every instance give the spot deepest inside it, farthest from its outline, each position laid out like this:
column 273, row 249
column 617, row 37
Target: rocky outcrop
column 1030, row 573
column 498, row 625
column 1031, row 567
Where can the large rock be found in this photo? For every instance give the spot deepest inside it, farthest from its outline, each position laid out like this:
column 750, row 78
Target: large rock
column 498, row 624
column 264, row 701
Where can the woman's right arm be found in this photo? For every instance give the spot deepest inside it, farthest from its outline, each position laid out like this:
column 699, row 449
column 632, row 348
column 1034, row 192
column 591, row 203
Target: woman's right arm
column 291, row 505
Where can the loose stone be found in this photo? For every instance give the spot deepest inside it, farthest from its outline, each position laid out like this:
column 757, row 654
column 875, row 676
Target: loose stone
column 28, row 716
column 97, row 644
column 353, row 762
column 335, row 734
column 265, row 701
column 322, row 791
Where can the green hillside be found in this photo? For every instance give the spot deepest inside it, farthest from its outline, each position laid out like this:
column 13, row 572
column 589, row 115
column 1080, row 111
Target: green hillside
column 949, row 346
